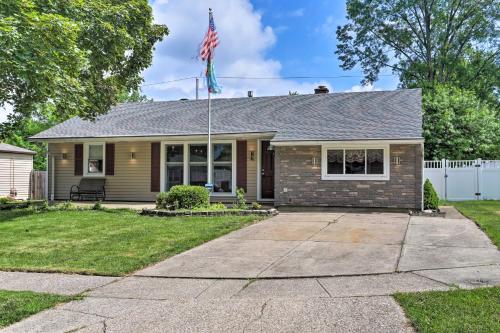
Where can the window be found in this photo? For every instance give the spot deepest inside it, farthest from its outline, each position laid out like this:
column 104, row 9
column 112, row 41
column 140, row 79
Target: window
column 187, row 163
column 174, row 166
column 223, row 166
column 94, row 158
column 355, row 163
column 198, row 164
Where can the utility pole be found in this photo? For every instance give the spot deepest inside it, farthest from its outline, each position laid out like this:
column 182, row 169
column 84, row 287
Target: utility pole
column 197, row 86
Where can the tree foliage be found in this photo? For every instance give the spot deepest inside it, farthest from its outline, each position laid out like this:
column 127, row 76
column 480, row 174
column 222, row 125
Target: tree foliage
column 458, row 125
column 447, row 47
column 17, row 129
column 75, row 56
column 424, row 41
column 135, row 96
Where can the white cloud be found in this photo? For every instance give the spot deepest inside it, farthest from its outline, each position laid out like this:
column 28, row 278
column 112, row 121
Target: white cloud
column 361, row 88
column 329, row 26
column 4, row 112
column 244, row 42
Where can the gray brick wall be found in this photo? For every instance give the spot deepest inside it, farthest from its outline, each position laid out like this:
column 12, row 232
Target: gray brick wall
column 296, row 172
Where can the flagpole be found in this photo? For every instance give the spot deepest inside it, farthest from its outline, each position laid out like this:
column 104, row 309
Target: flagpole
column 209, row 148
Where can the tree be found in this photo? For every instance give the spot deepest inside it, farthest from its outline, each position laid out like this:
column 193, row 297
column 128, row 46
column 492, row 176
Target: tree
column 424, row 41
column 458, row 125
column 17, row 129
column 75, row 56
column 133, row 96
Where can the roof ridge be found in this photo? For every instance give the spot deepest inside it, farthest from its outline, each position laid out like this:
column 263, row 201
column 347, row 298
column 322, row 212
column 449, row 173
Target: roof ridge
column 268, row 96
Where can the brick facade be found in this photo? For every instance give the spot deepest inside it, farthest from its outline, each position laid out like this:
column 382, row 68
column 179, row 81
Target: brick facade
column 295, row 172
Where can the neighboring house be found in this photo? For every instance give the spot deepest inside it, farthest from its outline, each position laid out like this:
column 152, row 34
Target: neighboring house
column 16, row 165
column 342, row 149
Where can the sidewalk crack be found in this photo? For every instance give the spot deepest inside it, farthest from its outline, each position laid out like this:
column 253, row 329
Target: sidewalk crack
column 403, row 244
column 322, row 286
column 262, row 309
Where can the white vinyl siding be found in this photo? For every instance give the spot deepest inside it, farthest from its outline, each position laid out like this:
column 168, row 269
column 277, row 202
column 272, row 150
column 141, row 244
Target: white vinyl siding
column 15, row 170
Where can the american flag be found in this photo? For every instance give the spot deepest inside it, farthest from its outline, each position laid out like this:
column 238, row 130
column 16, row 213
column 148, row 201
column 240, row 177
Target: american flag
column 211, row 40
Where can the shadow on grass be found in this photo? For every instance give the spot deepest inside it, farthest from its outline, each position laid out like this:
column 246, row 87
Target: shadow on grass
column 12, row 214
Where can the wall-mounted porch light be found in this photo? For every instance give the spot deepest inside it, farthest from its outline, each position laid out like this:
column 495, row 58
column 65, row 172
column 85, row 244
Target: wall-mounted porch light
column 252, row 155
column 396, row 160
column 64, row 156
column 132, row 155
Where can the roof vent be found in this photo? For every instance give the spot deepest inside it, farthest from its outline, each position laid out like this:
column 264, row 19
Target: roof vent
column 184, row 99
column 321, row 90
column 250, row 93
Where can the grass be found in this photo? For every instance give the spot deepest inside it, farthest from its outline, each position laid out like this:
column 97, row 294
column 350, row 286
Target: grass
column 486, row 213
column 16, row 305
column 101, row 242
column 459, row 310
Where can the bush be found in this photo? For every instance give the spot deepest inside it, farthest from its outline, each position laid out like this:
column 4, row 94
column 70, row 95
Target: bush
column 6, row 200
column 241, row 202
column 256, row 205
column 431, row 200
column 67, row 205
column 183, row 197
column 98, row 206
column 218, row 206
column 161, row 200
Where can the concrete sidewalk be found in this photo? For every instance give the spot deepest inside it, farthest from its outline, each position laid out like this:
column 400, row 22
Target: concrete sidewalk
column 62, row 284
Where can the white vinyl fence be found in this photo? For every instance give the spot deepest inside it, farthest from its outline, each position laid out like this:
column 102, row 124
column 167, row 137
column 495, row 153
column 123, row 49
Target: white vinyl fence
column 464, row 179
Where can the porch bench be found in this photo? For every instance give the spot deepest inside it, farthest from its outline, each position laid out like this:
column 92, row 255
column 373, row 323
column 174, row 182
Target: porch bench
column 89, row 187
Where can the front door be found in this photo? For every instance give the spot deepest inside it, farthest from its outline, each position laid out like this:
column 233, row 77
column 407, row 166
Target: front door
column 267, row 171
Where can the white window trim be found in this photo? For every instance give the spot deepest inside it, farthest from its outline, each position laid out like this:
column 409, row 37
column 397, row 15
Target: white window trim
column 86, row 159
column 324, row 162
column 186, row 163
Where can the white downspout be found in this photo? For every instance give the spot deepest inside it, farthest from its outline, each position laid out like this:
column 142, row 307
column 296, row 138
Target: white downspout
column 52, row 173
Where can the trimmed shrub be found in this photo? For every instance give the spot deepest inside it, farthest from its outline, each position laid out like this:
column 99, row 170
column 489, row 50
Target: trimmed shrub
column 431, row 199
column 183, row 197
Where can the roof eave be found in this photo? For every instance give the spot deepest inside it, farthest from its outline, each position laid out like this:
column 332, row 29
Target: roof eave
column 333, row 141
column 158, row 137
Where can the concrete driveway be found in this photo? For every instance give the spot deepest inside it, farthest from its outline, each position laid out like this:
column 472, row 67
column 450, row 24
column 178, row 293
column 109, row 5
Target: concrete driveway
column 317, row 272
column 293, row 245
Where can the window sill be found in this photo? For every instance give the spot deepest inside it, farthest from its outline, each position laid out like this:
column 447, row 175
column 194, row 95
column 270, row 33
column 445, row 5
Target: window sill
column 94, row 175
column 355, row 177
column 222, row 194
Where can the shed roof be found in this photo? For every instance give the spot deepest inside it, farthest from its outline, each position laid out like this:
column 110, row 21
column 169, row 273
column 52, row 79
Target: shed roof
column 6, row 148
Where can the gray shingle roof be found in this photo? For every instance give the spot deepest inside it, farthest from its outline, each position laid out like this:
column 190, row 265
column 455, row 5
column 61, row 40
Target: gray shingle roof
column 6, row 148
column 336, row 116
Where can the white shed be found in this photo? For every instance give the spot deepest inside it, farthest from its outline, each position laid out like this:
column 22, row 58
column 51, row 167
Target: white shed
column 16, row 165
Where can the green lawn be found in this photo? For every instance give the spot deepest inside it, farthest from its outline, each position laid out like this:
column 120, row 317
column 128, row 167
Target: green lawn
column 16, row 305
column 485, row 213
column 459, row 310
column 109, row 242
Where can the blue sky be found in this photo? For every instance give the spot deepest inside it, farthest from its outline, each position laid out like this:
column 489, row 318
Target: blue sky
column 264, row 38
column 258, row 38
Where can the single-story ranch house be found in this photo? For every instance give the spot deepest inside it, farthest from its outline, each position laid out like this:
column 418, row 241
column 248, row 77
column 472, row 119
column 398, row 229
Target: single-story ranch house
column 362, row 149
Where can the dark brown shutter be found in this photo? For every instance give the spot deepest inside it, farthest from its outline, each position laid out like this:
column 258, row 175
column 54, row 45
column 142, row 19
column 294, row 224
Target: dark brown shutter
column 110, row 159
column 241, row 165
column 155, row 167
column 78, row 159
